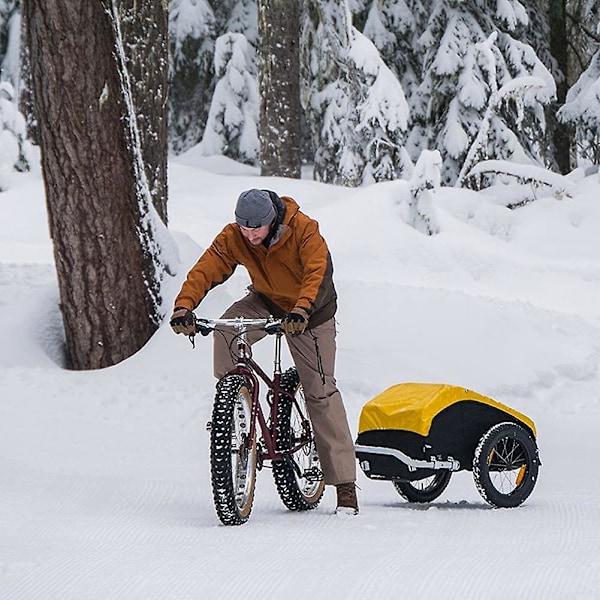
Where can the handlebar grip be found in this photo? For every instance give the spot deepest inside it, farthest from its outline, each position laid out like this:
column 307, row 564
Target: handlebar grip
column 202, row 327
column 272, row 328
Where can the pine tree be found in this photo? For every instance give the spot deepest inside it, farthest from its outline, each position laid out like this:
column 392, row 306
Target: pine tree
column 355, row 107
column 10, row 36
column 279, row 85
column 583, row 35
column 191, row 43
column 111, row 249
column 236, row 130
column 582, row 111
column 418, row 198
column 232, row 126
column 474, row 69
column 394, row 26
column 14, row 147
column 544, row 37
column 382, row 114
column 323, row 92
column 237, row 16
column 146, row 62
column 581, row 108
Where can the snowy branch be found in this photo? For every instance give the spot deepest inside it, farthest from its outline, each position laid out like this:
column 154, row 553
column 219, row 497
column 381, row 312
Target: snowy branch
column 530, row 174
column 513, row 88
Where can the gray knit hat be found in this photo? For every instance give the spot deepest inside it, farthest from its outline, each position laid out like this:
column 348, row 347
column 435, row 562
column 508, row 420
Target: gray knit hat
column 254, row 209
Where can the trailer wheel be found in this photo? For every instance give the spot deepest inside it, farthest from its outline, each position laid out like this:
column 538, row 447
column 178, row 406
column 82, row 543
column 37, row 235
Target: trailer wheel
column 506, row 465
column 424, row 490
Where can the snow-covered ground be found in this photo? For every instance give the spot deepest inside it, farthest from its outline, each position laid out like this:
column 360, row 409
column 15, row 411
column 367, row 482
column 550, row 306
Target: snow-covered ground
column 104, row 475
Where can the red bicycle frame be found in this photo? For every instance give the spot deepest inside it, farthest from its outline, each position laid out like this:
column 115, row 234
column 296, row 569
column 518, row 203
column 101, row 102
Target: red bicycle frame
column 248, row 368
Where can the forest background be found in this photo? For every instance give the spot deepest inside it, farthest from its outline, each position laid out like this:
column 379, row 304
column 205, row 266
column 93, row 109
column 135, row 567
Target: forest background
column 400, row 75
column 466, row 93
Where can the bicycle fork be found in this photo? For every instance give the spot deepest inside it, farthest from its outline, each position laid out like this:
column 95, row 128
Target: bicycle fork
column 268, row 437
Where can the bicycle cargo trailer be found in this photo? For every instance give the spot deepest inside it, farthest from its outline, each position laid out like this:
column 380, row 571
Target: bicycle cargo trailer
column 417, row 434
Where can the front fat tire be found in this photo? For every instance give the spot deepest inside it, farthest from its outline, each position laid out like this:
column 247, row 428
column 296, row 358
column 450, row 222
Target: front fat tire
column 233, row 466
column 297, row 492
column 506, row 465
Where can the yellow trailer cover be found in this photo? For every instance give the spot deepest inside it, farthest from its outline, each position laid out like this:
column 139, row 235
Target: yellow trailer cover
column 412, row 407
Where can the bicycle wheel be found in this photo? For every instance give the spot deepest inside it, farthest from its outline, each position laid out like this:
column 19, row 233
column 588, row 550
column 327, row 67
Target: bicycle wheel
column 505, row 465
column 424, row 490
column 298, row 477
column 232, row 454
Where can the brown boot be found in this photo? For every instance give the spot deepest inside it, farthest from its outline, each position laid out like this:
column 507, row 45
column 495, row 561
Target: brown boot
column 347, row 501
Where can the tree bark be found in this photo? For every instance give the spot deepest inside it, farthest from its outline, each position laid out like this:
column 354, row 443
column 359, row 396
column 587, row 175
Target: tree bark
column 98, row 203
column 146, row 30
column 559, row 49
column 279, row 85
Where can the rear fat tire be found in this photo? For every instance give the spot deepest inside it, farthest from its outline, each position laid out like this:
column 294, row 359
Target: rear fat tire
column 506, row 465
column 233, row 465
column 296, row 491
column 424, row 490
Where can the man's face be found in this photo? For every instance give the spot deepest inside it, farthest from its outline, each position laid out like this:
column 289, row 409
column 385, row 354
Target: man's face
column 255, row 235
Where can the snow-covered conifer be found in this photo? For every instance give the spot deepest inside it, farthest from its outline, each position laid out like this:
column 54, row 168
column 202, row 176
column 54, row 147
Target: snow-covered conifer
column 232, row 126
column 425, row 179
column 582, row 110
column 14, row 147
column 237, row 16
column 325, row 92
column 475, row 70
column 355, row 107
column 191, row 41
column 382, row 114
column 394, row 27
column 10, row 41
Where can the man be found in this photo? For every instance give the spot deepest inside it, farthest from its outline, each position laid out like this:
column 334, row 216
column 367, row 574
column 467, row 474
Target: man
column 292, row 278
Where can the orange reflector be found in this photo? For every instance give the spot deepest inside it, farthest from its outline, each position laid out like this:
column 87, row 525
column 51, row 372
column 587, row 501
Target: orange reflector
column 521, row 475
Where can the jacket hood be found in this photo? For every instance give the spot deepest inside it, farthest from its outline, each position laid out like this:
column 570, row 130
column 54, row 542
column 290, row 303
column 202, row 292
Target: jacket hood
column 287, row 209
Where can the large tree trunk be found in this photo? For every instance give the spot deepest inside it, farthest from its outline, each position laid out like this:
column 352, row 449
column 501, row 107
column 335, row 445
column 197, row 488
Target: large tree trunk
column 279, row 84
column 559, row 48
column 146, row 32
column 98, row 197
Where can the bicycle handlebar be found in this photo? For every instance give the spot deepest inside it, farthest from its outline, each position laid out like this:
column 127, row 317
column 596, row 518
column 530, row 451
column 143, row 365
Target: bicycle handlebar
column 205, row 326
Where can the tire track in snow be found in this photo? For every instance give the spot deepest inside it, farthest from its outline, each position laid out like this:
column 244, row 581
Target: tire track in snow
column 87, row 530
column 513, row 540
column 102, row 537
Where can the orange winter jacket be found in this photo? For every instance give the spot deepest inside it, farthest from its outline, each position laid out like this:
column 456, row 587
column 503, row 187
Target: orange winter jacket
column 295, row 271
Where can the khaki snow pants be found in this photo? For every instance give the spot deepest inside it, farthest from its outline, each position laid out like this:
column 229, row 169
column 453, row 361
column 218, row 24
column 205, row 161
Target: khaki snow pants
column 313, row 353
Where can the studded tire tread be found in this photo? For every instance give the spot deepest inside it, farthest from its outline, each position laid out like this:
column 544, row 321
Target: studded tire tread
column 225, row 485
column 296, row 493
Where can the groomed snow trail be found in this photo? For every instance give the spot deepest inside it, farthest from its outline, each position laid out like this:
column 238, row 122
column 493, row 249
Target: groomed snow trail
column 106, row 494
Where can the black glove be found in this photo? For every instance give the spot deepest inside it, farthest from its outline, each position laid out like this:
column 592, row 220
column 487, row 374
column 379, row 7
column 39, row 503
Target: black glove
column 295, row 322
column 202, row 328
column 183, row 321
